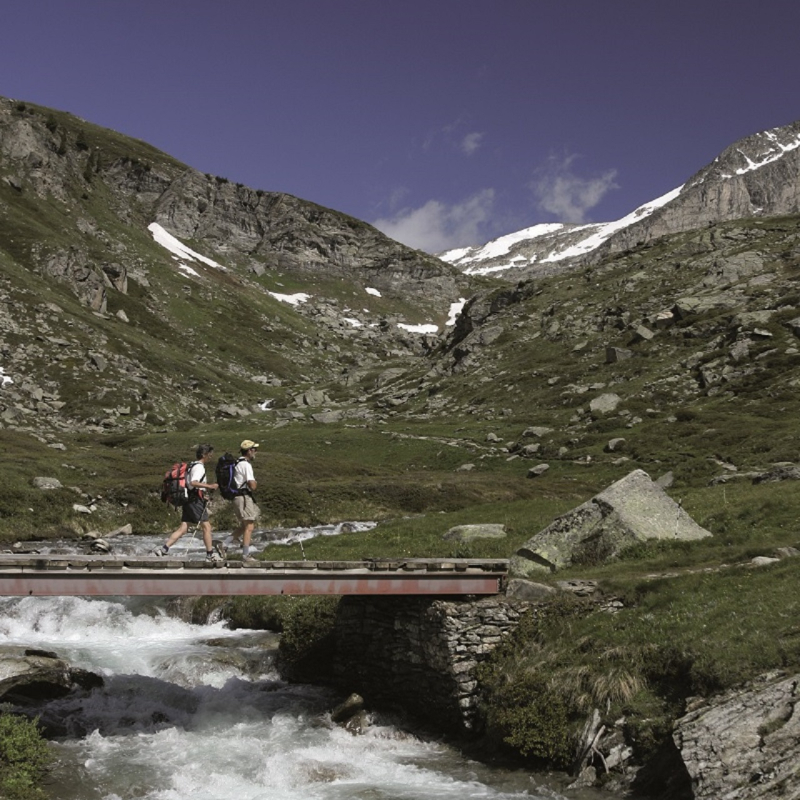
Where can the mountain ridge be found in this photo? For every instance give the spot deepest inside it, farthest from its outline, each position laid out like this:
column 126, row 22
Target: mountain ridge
column 758, row 175
column 91, row 298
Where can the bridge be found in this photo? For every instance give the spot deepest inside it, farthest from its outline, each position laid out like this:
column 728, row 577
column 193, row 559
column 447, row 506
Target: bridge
column 110, row 576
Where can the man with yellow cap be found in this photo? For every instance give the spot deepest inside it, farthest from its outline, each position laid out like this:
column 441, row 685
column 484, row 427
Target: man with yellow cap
column 244, row 504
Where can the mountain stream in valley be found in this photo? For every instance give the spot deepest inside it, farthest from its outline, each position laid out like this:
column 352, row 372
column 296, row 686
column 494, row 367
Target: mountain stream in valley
column 198, row 712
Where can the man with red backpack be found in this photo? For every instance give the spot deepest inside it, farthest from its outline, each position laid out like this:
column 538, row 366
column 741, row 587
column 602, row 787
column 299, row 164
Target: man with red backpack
column 194, row 511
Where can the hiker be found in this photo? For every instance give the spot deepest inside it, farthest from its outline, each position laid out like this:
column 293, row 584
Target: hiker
column 195, row 509
column 244, row 504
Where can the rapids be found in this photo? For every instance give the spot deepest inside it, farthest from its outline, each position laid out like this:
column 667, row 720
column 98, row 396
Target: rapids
column 198, row 712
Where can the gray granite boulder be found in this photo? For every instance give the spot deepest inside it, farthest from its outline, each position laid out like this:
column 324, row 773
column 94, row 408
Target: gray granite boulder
column 634, row 509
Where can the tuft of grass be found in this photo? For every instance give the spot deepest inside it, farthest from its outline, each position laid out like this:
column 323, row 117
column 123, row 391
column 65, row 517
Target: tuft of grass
column 695, row 634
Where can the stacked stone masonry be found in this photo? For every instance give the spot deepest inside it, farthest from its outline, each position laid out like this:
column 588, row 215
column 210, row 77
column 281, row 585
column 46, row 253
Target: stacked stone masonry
column 420, row 654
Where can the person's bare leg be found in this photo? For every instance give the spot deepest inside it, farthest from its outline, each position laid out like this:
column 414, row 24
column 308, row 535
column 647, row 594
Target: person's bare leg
column 246, row 536
column 206, row 528
column 176, row 534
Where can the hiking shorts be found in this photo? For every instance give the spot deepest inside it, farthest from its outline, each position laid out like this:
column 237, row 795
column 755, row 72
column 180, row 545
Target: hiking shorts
column 246, row 508
column 195, row 511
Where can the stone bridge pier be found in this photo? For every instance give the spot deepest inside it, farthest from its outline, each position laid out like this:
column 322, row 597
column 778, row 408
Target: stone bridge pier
column 420, row 654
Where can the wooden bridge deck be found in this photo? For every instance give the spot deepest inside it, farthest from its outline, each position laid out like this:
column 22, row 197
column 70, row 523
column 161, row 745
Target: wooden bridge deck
column 110, row 576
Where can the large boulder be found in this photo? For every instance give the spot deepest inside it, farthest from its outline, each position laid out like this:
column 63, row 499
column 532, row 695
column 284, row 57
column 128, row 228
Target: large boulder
column 745, row 744
column 634, row 509
column 31, row 676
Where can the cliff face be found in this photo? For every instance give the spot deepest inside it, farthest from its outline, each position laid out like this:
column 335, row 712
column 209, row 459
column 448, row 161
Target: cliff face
column 758, row 176
column 48, row 156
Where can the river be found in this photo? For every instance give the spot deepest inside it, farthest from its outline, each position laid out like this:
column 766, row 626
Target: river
column 197, row 712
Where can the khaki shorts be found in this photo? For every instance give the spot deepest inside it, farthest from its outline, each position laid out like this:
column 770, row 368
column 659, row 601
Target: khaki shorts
column 246, row 508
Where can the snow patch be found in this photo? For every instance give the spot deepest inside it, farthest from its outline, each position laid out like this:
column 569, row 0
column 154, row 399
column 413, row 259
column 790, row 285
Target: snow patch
column 418, row 328
column 291, row 299
column 777, row 151
column 455, row 310
column 470, row 258
column 373, row 292
column 181, row 253
column 499, row 247
column 4, row 379
column 605, row 231
column 187, row 270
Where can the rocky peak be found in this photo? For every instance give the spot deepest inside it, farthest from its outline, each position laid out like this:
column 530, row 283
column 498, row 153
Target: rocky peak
column 758, row 176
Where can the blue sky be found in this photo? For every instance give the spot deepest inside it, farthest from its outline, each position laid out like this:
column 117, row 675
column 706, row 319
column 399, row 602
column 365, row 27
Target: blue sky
column 444, row 122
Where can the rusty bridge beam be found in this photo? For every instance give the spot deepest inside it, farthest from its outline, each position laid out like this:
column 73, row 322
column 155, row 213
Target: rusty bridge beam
column 108, row 576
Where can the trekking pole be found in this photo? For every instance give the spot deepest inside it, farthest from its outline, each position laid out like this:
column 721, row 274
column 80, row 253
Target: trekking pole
column 191, row 538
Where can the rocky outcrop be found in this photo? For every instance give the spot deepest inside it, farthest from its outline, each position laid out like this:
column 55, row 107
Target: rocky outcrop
column 76, row 203
column 51, row 154
column 756, row 176
column 634, row 509
column 30, row 676
column 286, row 234
column 745, row 744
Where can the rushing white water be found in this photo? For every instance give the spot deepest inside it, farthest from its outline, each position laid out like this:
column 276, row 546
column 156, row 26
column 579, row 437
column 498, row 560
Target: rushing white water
column 191, row 544
column 196, row 711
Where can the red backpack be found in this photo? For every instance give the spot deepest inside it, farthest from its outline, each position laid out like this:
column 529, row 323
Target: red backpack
column 173, row 488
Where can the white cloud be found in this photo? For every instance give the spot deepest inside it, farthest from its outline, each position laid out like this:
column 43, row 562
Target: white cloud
column 436, row 226
column 566, row 195
column 471, row 142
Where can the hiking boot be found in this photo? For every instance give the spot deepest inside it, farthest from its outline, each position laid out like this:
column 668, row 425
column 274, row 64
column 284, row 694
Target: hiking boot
column 219, row 549
column 159, row 551
column 214, row 559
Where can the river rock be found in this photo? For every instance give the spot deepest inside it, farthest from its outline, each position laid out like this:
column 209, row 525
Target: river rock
column 539, row 469
column 634, row 509
column 31, row 676
column 745, row 744
column 351, row 715
column 124, row 530
column 616, row 354
column 604, row 404
column 536, row 430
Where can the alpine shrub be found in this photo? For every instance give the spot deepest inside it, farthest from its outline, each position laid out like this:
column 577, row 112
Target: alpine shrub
column 24, row 758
